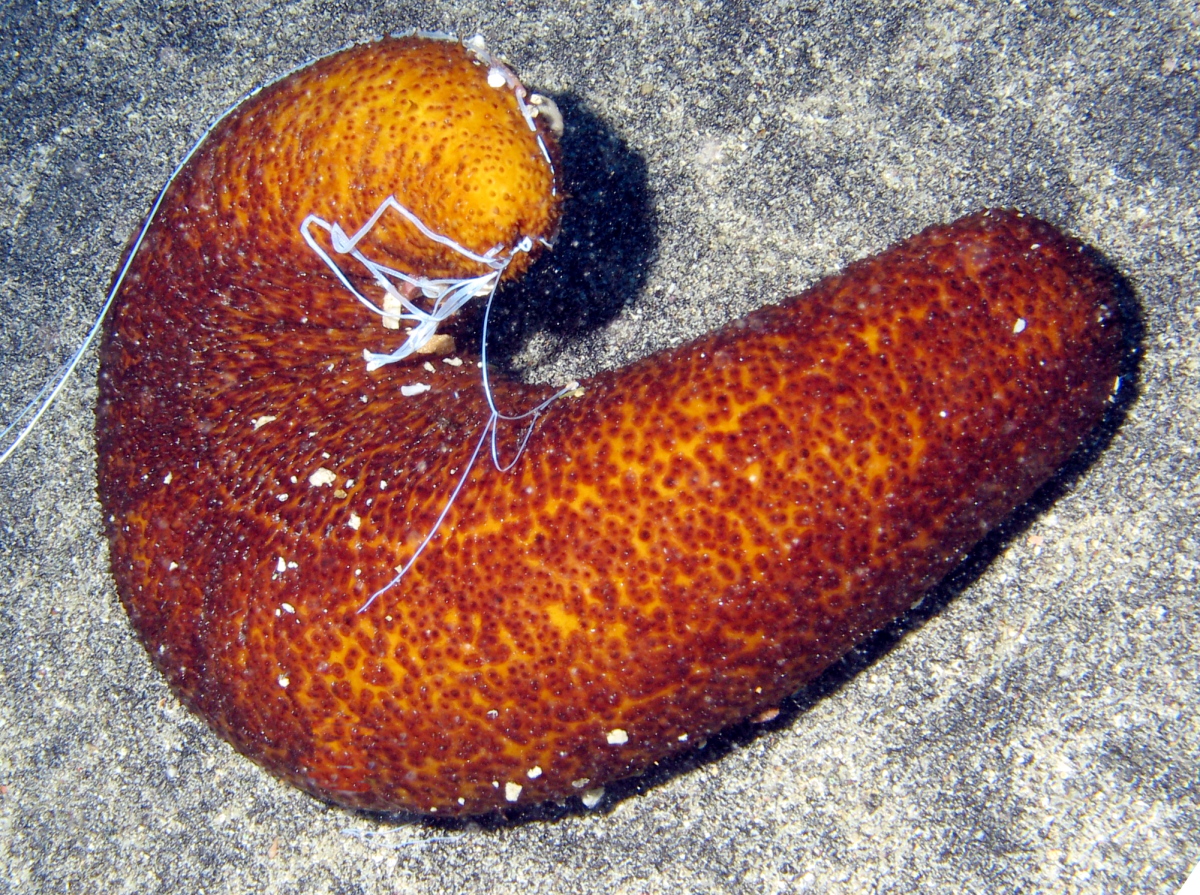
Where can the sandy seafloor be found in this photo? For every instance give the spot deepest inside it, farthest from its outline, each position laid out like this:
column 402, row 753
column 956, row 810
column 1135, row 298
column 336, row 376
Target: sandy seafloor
column 1034, row 727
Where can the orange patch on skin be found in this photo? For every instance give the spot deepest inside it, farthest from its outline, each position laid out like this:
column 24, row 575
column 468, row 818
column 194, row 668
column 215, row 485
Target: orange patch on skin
column 678, row 549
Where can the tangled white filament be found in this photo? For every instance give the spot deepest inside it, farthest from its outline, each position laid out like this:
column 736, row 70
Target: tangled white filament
column 447, row 296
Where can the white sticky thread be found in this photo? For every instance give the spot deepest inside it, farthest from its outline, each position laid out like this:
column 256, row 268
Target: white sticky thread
column 449, row 295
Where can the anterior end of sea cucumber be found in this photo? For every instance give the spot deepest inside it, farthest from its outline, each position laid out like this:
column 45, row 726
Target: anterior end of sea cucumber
column 412, row 118
column 678, row 549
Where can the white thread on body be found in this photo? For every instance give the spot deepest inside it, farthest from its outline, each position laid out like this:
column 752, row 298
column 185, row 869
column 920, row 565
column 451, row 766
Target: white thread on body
column 448, row 296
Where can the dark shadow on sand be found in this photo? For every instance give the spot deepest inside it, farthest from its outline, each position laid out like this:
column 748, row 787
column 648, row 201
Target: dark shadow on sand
column 605, row 248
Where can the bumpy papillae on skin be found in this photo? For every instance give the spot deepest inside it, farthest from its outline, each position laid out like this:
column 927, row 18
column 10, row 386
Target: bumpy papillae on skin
column 679, row 548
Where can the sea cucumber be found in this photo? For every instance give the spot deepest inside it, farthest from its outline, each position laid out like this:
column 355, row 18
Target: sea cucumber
column 682, row 543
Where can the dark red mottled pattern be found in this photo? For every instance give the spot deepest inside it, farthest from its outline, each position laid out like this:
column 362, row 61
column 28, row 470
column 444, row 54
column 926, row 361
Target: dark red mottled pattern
column 680, row 547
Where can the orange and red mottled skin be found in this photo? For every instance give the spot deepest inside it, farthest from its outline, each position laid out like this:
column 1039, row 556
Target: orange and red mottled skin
column 680, row 547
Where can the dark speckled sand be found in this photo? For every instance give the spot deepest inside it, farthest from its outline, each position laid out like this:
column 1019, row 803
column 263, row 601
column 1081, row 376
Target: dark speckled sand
column 1031, row 727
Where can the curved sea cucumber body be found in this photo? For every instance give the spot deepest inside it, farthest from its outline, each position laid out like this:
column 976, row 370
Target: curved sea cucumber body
column 679, row 547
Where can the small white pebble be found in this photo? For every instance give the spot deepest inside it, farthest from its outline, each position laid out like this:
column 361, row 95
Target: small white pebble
column 355, row 521
column 683, row 738
column 283, row 681
column 452, row 361
column 261, row 421
column 392, row 309
column 409, row 390
column 534, row 772
column 282, row 498
column 1019, row 326
column 281, row 565
column 495, row 78
column 167, row 480
column 581, row 782
column 592, row 797
column 322, row 477
column 172, row 567
column 617, row 737
column 512, row 791
column 288, row 608
column 428, row 366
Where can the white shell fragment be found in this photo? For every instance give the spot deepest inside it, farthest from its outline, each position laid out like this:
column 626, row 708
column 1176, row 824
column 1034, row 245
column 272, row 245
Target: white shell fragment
column 392, row 309
column 322, row 477
column 592, row 797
